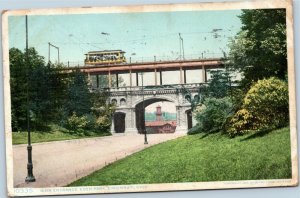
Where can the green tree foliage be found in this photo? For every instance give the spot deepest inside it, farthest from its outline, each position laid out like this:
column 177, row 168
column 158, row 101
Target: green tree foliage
column 27, row 71
column 102, row 111
column 87, row 111
column 53, row 97
column 58, row 94
column 47, row 90
column 213, row 114
column 40, row 103
column 264, row 106
column 18, row 86
column 95, row 117
column 259, row 50
column 79, row 98
column 219, row 85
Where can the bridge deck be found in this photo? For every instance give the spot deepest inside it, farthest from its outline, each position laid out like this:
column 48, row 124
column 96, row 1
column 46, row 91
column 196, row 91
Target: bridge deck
column 156, row 67
column 150, row 66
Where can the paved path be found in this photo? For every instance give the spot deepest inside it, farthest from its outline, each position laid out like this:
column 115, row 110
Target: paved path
column 61, row 162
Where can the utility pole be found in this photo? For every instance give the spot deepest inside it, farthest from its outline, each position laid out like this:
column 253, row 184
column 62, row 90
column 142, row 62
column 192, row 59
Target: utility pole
column 181, row 46
column 48, row 53
column 30, row 177
column 51, row 45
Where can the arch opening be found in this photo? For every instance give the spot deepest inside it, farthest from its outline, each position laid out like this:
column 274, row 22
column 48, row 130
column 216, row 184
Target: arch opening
column 119, row 122
column 114, row 101
column 156, row 115
column 123, row 102
column 189, row 119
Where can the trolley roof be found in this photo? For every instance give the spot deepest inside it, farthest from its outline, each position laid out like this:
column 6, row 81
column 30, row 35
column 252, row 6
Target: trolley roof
column 106, row 52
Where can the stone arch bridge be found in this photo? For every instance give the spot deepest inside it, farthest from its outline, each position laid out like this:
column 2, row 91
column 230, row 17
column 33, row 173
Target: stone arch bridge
column 130, row 103
column 132, row 99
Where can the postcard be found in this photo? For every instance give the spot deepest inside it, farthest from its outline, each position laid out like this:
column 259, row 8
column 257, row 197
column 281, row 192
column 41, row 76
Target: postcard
column 149, row 98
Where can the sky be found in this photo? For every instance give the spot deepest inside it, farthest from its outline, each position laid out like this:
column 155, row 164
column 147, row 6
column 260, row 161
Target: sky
column 165, row 107
column 141, row 35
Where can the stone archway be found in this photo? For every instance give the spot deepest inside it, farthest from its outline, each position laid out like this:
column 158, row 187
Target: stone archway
column 140, row 112
column 132, row 105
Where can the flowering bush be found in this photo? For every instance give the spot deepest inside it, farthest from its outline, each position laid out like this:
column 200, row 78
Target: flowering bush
column 241, row 122
column 264, row 106
column 77, row 123
column 102, row 123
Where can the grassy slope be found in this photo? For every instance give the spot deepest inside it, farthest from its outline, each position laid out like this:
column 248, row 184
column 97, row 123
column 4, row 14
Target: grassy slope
column 199, row 158
column 55, row 134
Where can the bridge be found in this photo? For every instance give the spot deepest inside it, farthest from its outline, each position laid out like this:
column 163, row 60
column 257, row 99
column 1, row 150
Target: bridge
column 132, row 100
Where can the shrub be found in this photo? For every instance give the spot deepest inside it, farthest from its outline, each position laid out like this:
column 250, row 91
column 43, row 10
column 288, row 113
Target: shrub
column 91, row 118
column 77, row 123
column 241, row 122
column 102, row 124
column 212, row 115
column 268, row 101
column 264, row 106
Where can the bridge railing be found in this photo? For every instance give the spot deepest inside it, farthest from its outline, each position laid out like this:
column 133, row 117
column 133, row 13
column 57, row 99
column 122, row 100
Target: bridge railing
column 150, row 88
column 134, row 59
column 169, row 58
column 190, row 86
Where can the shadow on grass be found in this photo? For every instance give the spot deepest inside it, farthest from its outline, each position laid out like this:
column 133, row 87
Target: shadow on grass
column 42, row 128
column 208, row 134
column 258, row 134
column 205, row 135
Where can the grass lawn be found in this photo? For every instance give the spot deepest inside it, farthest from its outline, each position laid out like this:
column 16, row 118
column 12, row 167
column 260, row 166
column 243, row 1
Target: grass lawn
column 55, row 134
column 201, row 157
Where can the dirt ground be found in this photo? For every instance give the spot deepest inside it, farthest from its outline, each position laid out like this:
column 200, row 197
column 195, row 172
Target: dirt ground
column 61, row 162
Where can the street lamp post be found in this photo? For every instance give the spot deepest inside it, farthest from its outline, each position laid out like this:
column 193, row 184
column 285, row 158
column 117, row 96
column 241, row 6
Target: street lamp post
column 30, row 177
column 143, row 108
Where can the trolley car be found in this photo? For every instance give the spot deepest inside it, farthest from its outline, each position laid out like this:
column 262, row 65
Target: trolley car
column 105, row 57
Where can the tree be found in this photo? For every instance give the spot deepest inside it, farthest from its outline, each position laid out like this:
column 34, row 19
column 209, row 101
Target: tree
column 22, row 72
column 40, row 103
column 18, row 85
column 48, row 92
column 58, row 92
column 219, row 85
column 259, row 50
column 46, row 89
column 79, row 97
